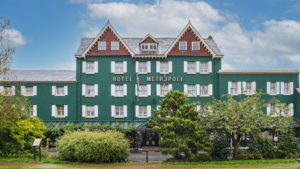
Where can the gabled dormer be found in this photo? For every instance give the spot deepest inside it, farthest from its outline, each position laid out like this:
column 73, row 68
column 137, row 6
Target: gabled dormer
column 148, row 43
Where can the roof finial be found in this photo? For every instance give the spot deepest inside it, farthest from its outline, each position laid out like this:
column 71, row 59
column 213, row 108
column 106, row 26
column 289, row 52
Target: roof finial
column 189, row 21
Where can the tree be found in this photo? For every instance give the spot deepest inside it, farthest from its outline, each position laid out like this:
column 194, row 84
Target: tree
column 17, row 128
column 6, row 51
column 241, row 116
column 177, row 123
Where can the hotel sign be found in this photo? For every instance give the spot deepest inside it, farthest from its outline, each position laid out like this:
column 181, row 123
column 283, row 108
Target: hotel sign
column 150, row 79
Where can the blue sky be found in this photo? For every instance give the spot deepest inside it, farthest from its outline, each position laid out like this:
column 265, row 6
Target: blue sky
column 252, row 34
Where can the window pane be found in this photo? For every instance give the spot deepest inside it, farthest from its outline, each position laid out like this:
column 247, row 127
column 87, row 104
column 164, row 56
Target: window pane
column 164, row 67
column 195, row 45
column 90, row 91
column 29, row 90
column 59, row 110
column 182, row 45
column 233, row 88
column 191, row 67
column 203, row 67
column 273, row 88
column 143, row 111
column 164, row 89
column 114, row 45
column 204, row 90
column 119, row 90
column 248, row 87
column 191, row 90
column 142, row 67
column 60, row 90
column 101, row 45
column 119, row 111
column 143, row 90
column 119, row 67
column 90, row 67
column 90, row 111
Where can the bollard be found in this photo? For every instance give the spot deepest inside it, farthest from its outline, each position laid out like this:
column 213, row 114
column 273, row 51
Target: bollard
column 146, row 156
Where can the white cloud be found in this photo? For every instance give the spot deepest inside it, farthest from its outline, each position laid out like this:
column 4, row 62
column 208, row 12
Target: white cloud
column 12, row 38
column 163, row 18
column 277, row 43
column 226, row 66
column 66, row 66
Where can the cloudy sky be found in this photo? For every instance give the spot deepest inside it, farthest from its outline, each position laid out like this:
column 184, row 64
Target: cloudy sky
column 253, row 34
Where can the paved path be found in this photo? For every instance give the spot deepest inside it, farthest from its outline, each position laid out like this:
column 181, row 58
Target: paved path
column 142, row 165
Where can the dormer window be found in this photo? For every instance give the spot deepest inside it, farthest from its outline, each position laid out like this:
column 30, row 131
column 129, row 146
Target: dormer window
column 148, row 46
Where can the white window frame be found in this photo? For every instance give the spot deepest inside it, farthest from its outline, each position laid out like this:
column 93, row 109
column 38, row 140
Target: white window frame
column 140, row 68
column 189, row 69
column 148, row 47
column 189, row 91
column 92, row 115
column 164, row 70
column 9, row 90
column 273, row 89
column 24, row 91
column 57, row 92
column 114, row 111
column 203, row 93
column 85, row 111
column 85, row 67
column 144, row 92
column 57, row 111
column 119, row 90
column 196, row 43
column 204, row 67
column 119, row 111
column 101, row 45
column 234, row 88
column 114, row 45
column 85, row 90
column 90, row 92
column 119, row 67
column 182, row 45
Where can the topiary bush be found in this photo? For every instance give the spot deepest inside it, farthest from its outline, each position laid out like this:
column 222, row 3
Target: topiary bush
column 88, row 146
column 220, row 148
column 288, row 145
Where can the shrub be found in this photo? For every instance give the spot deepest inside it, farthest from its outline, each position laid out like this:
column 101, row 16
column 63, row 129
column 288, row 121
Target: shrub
column 288, row 145
column 263, row 146
column 88, row 146
column 220, row 148
column 244, row 155
column 201, row 157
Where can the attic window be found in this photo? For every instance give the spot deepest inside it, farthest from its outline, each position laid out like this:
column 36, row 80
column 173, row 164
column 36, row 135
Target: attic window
column 148, row 46
column 102, row 45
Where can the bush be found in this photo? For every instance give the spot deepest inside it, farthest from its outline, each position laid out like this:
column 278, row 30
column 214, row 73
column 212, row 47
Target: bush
column 88, row 146
column 220, row 148
column 201, row 157
column 244, row 155
column 288, row 145
column 263, row 146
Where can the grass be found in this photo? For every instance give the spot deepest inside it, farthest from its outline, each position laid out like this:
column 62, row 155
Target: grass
column 235, row 162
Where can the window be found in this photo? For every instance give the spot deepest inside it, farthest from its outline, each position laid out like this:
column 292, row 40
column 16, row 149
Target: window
column 203, row 67
column 143, row 90
column 203, row 90
column 164, row 67
column 119, row 90
column 233, row 89
column 195, row 45
column 191, row 67
column 286, row 88
column 90, row 90
column 60, row 91
column 272, row 87
column 119, row 67
column 60, row 111
column 142, row 111
column 148, row 46
column 248, row 88
column 90, row 111
column 272, row 107
column 114, row 45
column 102, row 45
column 182, row 45
column 29, row 90
column 164, row 89
column 191, row 90
column 90, row 67
column 8, row 90
column 142, row 67
column 119, row 111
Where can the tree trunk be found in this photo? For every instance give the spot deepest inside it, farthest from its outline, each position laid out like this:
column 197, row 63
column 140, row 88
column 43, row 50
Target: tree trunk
column 236, row 140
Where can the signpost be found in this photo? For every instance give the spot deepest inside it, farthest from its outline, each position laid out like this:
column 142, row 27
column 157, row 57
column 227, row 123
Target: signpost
column 37, row 143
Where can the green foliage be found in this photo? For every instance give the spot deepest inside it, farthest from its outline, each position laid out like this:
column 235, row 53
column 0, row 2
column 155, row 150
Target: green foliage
column 200, row 157
column 288, row 145
column 88, row 146
column 239, row 115
column 178, row 125
column 263, row 146
column 17, row 128
column 54, row 134
column 220, row 148
column 244, row 155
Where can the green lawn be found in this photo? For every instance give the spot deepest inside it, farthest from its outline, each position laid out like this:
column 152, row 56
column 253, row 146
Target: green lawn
column 233, row 162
